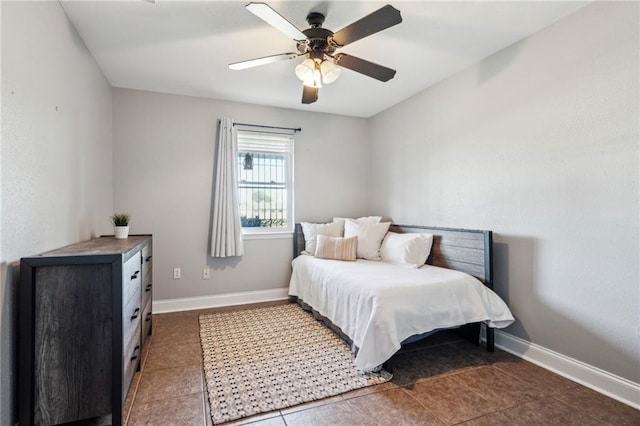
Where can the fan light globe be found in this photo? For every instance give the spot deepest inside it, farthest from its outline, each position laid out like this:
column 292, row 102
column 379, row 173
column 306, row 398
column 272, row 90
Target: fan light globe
column 330, row 72
column 305, row 70
column 315, row 81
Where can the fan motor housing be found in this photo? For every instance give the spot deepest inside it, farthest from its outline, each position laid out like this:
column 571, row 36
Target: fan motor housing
column 315, row 19
column 316, row 42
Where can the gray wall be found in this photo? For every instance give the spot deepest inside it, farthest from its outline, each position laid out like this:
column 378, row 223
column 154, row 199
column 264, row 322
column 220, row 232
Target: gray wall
column 56, row 175
column 540, row 144
column 163, row 170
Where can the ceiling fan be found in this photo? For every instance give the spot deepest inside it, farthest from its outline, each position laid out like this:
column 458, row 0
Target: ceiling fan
column 319, row 45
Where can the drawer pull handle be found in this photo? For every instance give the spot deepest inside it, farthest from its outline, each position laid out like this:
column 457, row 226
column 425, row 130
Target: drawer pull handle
column 135, row 275
column 148, row 317
column 135, row 314
column 133, row 358
column 148, row 287
column 148, row 259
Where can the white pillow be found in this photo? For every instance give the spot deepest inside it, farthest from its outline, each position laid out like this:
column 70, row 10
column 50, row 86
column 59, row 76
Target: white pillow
column 406, row 249
column 370, row 236
column 336, row 248
column 312, row 230
column 364, row 219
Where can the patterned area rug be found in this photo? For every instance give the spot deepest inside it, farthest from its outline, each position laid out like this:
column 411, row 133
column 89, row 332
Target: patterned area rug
column 265, row 359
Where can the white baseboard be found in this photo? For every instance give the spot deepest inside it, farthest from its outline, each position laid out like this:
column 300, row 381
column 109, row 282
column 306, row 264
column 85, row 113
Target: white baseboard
column 613, row 386
column 218, row 300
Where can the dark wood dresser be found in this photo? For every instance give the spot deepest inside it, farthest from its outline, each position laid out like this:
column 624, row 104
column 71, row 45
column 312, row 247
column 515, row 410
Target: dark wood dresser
column 84, row 314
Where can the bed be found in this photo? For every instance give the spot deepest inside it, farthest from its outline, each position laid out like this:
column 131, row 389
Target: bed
column 377, row 306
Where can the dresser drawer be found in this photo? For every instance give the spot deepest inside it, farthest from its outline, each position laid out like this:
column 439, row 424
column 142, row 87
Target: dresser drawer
column 147, row 255
column 130, row 360
column 147, row 290
column 131, row 276
column 131, row 315
column 147, row 319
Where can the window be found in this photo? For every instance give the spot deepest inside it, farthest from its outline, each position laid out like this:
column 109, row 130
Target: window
column 265, row 181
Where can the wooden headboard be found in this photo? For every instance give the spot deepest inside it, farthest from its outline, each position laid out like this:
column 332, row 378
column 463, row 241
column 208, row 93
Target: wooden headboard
column 465, row 250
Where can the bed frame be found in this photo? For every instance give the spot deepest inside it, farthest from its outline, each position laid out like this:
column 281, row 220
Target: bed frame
column 464, row 250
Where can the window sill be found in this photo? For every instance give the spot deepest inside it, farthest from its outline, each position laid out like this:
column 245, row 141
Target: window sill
column 268, row 236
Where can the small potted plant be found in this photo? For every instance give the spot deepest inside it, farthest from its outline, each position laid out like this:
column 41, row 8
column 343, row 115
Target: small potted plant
column 120, row 225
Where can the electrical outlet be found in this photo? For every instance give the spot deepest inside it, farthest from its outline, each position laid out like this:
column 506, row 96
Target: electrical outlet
column 177, row 273
column 206, row 273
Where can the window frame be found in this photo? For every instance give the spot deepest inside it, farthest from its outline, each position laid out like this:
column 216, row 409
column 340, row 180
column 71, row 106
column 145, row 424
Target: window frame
column 288, row 142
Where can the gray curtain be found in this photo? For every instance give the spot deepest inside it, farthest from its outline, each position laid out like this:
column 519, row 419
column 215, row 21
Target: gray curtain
column 226, row 233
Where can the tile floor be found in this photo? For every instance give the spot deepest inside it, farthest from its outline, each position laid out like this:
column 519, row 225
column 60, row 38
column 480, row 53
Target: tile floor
column 438, row 381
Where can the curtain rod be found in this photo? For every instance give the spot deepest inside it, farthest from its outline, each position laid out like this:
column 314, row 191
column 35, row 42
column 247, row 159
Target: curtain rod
column 269, row 127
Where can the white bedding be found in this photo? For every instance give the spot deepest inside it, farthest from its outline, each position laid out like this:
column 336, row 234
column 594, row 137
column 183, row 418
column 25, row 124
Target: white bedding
column 378, row 305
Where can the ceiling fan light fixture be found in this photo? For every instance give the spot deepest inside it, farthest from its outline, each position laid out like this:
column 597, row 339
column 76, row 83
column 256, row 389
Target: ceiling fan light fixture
column 309, row 72
column 330, row 72
column 315, row 81
column 305, row 70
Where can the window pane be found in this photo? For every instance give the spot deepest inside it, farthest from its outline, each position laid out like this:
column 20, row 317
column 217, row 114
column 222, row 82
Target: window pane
column 265, row 181
column 262, row 189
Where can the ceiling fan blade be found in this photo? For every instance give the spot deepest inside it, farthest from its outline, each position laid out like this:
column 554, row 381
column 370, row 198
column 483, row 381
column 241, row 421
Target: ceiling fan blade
column 273, row 18
column 364, row 67
column 262, row 61
column 381, row 19
column 309, row 94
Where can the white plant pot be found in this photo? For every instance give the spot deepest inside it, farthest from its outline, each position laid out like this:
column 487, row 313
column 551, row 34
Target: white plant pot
column 121, row 232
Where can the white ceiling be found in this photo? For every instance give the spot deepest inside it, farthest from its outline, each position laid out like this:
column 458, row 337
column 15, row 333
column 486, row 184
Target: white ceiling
column 184, row 47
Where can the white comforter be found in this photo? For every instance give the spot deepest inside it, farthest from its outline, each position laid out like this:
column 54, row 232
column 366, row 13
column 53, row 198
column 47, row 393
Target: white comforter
column 378, row 305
